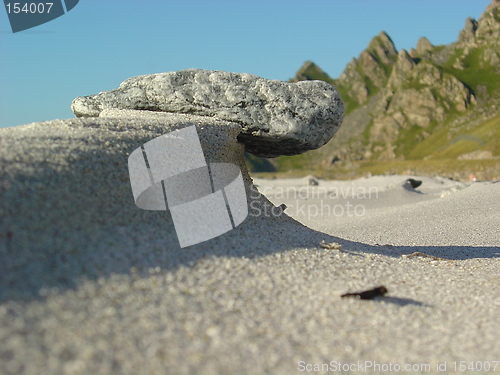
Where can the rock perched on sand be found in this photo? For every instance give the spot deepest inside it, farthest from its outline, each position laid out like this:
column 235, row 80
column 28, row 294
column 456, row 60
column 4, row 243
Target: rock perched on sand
column 277, row 118
column 73, row 174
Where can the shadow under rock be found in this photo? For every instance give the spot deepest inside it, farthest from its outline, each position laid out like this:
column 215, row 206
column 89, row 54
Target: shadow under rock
column 429, row 252
column 151, row 242
column 63, row 257
column 73, row 217
column 403, row 301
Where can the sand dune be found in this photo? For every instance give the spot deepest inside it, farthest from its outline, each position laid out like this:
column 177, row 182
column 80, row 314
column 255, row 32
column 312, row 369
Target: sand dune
column 90, row 284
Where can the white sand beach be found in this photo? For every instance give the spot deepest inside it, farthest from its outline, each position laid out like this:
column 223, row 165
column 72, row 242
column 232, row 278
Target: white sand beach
column 92, row 285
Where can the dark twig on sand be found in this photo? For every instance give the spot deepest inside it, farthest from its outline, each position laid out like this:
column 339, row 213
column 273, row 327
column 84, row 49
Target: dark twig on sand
column 368, row 294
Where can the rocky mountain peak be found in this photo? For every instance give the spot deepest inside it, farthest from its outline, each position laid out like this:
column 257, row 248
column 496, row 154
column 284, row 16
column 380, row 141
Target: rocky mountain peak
column 485, row 31
column 478, row 42
column 368, row 73
column 382, row 48
column 397, row 101
column 403, row 65
column 311, row 71
column 468, row 33
column 423, row 46
column 488, row 26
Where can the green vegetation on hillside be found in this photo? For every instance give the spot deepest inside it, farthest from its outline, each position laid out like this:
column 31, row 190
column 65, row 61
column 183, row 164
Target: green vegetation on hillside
column 435, row 109
column 485, row 137
column 476, row 71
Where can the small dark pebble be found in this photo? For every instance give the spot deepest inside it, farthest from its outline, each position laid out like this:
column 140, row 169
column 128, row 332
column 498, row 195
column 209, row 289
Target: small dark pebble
column 368, row 294
column 313, row 182
column 413, row 183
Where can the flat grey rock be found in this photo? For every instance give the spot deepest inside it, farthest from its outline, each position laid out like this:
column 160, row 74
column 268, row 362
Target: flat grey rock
column 277, row 118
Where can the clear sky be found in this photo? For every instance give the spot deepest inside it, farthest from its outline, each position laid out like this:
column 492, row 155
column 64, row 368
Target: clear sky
column 100, row 43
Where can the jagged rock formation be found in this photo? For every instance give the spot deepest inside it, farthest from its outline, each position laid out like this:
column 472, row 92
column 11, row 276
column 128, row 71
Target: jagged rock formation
column 411, row 105
column 368, row 73
column 423, row 46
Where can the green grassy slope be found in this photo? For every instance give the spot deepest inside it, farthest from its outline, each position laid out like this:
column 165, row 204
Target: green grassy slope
column 458, row 142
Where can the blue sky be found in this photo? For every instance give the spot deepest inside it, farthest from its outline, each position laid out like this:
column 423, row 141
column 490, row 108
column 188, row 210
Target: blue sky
column 100, row 43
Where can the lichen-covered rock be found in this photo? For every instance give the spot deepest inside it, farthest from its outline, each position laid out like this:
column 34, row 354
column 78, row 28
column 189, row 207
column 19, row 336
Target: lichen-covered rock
column 277, row 118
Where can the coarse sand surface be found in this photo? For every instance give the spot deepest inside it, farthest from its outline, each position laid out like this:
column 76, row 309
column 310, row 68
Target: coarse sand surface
column 90, row 284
